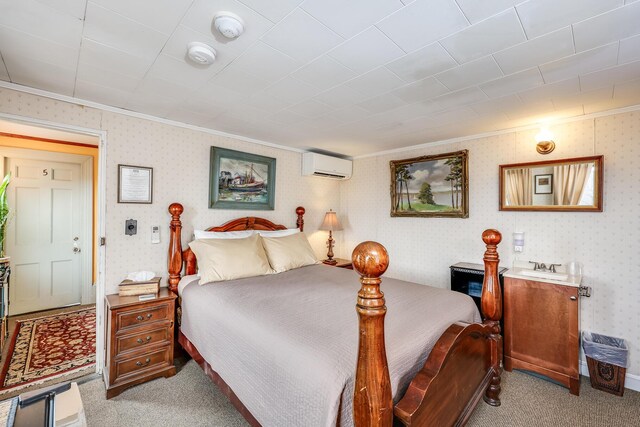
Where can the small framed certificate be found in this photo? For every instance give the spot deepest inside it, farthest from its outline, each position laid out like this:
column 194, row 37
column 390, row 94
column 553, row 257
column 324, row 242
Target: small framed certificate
column 135, row 184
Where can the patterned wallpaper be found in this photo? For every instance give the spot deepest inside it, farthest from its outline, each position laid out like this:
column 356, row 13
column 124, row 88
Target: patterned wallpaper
column 180, row 161
column 607, row 243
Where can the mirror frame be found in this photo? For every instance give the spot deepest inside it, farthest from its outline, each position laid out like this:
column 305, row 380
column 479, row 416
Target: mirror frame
column 598, row 185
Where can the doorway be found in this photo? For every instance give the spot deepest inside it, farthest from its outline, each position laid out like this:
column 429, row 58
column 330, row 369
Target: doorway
column 52, row 196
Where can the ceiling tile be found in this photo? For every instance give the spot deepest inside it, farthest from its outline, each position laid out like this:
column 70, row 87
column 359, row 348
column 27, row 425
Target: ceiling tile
column 102, row 94
column 471, row 73
column 15, row 43
column 340, row 96
column 157, row 85
column 42, row 21
column 180, row 72
column 268, row 103
column 200, row 15
column 580, row 98
column 551, row 91
column 497, row 105
column 421, row 90
column 273, row 10
column 422, row 63
column 205, row 108
column 74, row 8
column 581, row 63
column 376, row 82
column 486, row 37
column 176, row 46
column 599, row 79
column 164, row 16
column 460, row 98
column 291, row 90
column 381, row 103
column 190, row 117
column 629, row 50
column 549, row 47
column 239, row 81
column 423, row 22
column 366, row 51
column 517, row 82
column 286, row 117
column 348, row 18
column 350, row 114
column 477, row 11
column 114, row 60
column 109, row 28
column 265, row 62
column 324, row 73
column 542, row 16
column 106, row 78
column 153, row 104
column 41, row 75
column 608, row 27
column 311, row 108
column 301, row 36
column 4, row 74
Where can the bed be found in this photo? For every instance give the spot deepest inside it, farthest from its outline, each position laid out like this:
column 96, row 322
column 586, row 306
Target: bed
column 283, row 347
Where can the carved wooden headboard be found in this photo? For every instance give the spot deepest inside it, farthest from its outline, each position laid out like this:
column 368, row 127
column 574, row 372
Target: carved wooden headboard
column 178, row 257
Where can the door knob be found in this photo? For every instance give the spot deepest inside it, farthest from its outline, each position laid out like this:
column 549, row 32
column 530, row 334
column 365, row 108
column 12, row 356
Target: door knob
column 76, row 250
column 573, row 298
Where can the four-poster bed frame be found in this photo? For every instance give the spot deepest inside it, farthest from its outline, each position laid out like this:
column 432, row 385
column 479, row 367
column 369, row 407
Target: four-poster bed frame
column 463, row 366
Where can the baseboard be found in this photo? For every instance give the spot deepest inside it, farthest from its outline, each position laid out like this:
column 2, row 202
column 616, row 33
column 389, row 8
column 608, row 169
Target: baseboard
column 632, row 382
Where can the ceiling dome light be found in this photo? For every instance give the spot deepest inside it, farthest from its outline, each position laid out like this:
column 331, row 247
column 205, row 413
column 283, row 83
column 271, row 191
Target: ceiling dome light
column 200, row 53
column 228, row 24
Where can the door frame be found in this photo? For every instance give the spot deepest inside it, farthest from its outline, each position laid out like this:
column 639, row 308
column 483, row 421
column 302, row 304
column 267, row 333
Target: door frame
column 86, row 173
column 100, row 229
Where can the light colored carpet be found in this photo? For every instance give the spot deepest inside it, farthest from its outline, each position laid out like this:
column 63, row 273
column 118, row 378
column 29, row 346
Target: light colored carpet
column 191, row 399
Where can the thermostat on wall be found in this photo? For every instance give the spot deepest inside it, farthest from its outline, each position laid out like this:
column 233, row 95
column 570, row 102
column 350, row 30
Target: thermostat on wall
column 155, row 234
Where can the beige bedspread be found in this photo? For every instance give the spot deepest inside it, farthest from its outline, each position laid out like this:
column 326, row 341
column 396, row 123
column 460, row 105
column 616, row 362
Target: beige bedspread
column 287, row 343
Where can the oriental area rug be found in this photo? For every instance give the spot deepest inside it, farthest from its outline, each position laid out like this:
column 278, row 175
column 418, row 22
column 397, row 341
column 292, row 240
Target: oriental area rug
column 46, row 348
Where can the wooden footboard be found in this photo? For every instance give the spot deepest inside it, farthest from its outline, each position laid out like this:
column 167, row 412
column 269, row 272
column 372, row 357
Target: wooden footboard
column 463, row 366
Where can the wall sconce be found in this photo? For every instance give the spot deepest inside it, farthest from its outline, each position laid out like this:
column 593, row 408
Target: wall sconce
column 331, row 224
column 518, row 241
column 544, row 138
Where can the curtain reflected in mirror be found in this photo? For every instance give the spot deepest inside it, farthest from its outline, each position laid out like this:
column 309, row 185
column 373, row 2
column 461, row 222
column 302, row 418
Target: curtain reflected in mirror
column 570, row 184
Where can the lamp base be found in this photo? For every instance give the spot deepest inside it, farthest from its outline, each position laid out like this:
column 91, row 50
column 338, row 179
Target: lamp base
column 329, row 261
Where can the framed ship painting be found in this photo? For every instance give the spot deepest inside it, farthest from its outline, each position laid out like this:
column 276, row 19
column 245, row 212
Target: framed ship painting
column 431, row 186
column 240, row 180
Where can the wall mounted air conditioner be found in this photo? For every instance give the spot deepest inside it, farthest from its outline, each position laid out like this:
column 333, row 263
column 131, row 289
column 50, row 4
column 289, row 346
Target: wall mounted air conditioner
column 326, row 166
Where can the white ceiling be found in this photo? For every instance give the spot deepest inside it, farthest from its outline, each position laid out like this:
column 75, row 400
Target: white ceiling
column 350, row 77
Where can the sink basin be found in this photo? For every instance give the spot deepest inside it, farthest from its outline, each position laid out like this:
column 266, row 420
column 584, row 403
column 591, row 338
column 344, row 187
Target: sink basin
column 544, row 274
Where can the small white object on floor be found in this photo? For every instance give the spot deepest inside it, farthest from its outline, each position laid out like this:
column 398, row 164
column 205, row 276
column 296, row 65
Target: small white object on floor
column 141, row 276
column 69, row 409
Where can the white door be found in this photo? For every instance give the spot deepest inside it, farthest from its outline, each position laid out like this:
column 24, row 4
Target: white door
column 44, row 237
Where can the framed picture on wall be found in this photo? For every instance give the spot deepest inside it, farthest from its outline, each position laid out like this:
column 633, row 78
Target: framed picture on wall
column 240, row 180
column 431, row 186
column 544, row 184
column 135, row 184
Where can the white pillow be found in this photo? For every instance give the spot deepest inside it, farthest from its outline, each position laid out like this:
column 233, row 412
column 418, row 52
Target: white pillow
column 201, row 234
column 278, row 233
column 228, row 259
column 289, row 252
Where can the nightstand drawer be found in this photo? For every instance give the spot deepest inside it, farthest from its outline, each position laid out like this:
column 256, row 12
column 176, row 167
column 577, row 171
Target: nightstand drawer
column 141, row 364
column 139, row 340
column 143, row 316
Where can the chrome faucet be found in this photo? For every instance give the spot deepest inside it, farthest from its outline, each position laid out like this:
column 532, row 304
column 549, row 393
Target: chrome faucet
column 540, row 266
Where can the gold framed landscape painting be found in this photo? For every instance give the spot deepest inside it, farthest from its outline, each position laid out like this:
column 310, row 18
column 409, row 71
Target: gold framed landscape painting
column 431, row 186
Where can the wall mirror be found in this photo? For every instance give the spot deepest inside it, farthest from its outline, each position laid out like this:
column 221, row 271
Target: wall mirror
column 555, row 185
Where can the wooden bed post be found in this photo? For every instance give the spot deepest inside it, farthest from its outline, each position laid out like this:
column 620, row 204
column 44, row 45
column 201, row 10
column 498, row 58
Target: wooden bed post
column 492, row 311
column 175, row 246
column 300, row 221
column 372, row 400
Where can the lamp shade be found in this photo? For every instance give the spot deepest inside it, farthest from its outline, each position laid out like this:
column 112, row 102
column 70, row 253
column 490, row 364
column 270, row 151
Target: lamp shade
column 331, row 222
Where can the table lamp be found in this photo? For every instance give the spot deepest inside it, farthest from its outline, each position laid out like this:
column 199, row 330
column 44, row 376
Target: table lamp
column 331, row 224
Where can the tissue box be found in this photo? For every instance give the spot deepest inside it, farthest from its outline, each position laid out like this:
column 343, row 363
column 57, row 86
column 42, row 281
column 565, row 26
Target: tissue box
column 131, row 288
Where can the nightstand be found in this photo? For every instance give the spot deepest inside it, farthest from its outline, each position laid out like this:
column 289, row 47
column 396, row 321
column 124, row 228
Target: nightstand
column 139, row 340
column 342, row 263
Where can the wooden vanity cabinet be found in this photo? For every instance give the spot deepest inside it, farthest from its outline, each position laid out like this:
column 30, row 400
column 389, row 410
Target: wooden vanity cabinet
column 542, row 331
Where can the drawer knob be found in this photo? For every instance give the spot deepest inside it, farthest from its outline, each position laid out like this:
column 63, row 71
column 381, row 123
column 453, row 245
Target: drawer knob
column 141, row 318
column 573, row 298
column 146, row 362
column 141, row 341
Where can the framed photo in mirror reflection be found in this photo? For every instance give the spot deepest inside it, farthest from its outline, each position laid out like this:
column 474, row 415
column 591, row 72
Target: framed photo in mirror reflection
column 544, row 184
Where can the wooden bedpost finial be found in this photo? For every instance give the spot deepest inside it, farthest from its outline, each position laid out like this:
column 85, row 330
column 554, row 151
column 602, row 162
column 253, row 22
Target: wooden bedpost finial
column 176, row 209
column 372, row 400
column 175, row 246
column 300, row 222
column 492, row 310
column 370, row 259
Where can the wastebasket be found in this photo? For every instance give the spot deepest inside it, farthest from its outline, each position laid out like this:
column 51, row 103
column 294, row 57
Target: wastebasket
column 607, row 361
